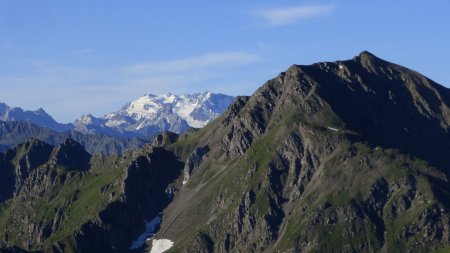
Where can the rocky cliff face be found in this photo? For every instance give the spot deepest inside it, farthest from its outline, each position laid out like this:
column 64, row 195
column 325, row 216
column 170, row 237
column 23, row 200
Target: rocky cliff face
column 344, row 156
column 17, row 164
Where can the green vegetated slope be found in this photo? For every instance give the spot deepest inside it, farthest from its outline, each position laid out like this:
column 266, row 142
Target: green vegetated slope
column 64, row 200
column 347, row 156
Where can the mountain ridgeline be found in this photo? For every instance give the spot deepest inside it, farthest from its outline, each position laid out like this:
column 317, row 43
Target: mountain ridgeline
column 345, row 156
column 15, row 132
column 39, row 117
column 142, row 118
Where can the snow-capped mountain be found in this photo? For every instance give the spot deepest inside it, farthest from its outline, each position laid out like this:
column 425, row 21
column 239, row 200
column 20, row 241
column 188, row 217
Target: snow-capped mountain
column 151, row 114
column 38, row 117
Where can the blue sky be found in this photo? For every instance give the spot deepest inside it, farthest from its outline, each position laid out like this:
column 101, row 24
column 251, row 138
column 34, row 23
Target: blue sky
column 78, row 57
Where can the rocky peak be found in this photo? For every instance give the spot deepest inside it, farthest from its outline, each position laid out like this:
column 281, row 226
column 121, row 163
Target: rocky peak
column 18, row 163
column 72, row 155
column 365, row 56
column 385, row 103
column 164, row 139
column 32, row 154
column 34, row 144
column 38, row 117
column 271, row 159
column 390, row 105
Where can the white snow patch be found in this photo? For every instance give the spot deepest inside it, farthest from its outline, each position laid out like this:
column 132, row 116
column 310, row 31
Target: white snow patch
column 340, row 66
column 167, row 99
column 195, row 123
column 149, row 231
column 333, row 129
column 141, row 125
column 161, row 245
column 86, row 119
column 185, row 182
column 115, row 123
column 143, row 106
column 183, row 108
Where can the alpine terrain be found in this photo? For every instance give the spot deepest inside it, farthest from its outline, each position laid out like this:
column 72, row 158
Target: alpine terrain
column 151, row 114
column 345, row 156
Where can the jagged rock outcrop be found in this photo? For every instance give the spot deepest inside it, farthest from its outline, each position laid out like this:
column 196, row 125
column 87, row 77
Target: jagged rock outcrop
column 164, row 139
column 17, row 164
column 193, row 162
column 71, row 155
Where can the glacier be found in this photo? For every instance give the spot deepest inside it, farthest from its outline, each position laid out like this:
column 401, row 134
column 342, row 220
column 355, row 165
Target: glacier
column 152, row 114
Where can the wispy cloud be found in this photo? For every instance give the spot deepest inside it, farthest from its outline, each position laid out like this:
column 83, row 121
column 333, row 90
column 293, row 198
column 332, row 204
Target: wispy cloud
column 81, row 52
column 98, row 91
column 194, row 63
column 286, row 16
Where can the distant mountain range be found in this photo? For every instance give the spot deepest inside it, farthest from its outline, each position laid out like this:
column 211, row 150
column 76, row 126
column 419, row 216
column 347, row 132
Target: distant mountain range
column 143, row 117
column 38, row 117
column 13, row 133
column 151, row 114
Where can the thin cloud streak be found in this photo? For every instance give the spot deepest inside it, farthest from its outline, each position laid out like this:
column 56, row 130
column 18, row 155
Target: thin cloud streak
column 194, row 63
column 63, row 87
column 286, row 16
column 82, row 52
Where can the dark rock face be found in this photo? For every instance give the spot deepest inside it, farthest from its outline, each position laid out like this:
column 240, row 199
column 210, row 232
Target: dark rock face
column 193, row 162
column 17, row 165
column 396, row 107
column 71, row 155
column 164, row 139
column 144, row 196
column 7, row 180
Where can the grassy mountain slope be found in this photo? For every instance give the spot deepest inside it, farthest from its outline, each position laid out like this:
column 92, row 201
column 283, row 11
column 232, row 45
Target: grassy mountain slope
column 345, row 156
